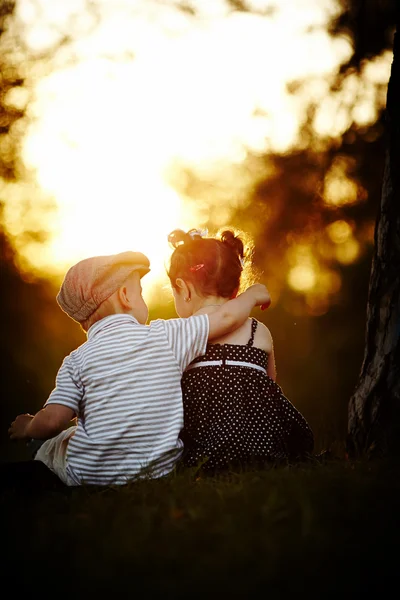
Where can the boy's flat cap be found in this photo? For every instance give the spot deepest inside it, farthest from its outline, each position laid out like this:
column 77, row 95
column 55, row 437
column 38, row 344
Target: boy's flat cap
column 92, row 280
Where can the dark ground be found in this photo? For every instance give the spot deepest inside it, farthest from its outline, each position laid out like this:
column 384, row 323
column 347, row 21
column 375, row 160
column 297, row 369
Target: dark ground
column 323, row 529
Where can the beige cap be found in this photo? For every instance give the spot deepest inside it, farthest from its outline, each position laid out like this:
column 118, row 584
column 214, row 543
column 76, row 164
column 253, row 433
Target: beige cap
column 91, row 281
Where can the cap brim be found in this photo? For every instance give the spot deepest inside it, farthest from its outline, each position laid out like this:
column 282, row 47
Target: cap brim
column 142, row 270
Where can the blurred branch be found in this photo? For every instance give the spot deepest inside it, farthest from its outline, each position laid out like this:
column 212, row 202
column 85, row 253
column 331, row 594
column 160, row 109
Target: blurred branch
column 370, row 24
column 243, row 6
column 194, row 8
column 10, row 78
column 65, row 33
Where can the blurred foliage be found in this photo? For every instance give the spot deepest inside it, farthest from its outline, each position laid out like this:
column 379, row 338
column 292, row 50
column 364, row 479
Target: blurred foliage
column 318, row 350
column 370, row 26
column 319, row 334
column 35, row 337
column 10, row 79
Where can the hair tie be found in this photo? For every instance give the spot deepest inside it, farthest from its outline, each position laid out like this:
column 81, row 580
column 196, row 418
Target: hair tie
column 196, row 268
column 197, row 233
column 241, row 261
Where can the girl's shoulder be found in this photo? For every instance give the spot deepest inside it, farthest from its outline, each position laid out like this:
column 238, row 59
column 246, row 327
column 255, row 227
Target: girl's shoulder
column 263, row 338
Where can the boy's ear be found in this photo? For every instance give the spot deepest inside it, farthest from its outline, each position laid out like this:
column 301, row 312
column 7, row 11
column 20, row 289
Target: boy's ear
column 123, row 297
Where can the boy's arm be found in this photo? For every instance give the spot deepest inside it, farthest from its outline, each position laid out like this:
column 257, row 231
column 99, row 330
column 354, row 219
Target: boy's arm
column 234, row 313
column 60, row 408
column 47, row 423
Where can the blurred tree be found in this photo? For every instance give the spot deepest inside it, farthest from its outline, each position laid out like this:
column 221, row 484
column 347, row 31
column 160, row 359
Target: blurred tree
column 35, row 335
column 289, row 212
column 374, row 409
column 319, row 346
column 10, row 79
column 369, row 25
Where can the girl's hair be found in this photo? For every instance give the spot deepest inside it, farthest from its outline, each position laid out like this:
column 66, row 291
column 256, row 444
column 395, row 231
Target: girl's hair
column 213, row 265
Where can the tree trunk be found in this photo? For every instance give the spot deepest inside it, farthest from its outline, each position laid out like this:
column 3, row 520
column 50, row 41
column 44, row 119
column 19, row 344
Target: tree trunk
column 374, row 409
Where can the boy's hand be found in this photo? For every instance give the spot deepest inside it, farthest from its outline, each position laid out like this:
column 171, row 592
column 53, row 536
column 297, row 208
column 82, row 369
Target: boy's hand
column 18, row 427
column 260, row 294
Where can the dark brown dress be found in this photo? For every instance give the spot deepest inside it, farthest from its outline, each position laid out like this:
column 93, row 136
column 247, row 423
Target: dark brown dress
column 234, row 413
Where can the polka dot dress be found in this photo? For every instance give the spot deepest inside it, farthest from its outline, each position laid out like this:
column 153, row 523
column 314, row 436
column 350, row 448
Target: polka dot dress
column 234, row 413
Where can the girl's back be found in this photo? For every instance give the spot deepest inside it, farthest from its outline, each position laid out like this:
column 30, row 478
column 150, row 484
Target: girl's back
column 234, row 412
column 261, row 339
column 233, row 409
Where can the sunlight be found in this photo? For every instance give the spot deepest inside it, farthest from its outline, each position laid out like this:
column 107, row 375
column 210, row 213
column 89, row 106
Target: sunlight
column 308, row 276
column 339, row 188
column 149, row 92
column 359, row 98
column 302, row 278
column 348, row 252
column 106, row 138
column 339, row 231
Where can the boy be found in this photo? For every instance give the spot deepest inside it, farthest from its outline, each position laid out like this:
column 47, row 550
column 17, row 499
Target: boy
column 124, row 383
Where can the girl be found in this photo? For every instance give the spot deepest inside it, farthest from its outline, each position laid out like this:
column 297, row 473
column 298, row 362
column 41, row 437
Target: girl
column 234, row 412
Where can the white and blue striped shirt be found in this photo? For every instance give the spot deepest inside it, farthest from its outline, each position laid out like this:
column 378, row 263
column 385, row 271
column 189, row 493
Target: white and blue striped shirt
column 124, row 385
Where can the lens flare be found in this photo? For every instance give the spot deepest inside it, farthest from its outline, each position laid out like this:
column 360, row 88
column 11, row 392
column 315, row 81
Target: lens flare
column 339, row 189
column 348, row 252
column 339, row 231
column 139, row 98
column 302, row 278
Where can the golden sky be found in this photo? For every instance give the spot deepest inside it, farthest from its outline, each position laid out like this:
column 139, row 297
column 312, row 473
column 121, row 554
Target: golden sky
column 146, row 90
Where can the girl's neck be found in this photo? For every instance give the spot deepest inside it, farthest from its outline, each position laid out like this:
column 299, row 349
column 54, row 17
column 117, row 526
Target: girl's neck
column 209, row 305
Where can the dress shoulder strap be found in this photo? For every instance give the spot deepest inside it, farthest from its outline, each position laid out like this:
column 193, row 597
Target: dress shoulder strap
column 254, row 324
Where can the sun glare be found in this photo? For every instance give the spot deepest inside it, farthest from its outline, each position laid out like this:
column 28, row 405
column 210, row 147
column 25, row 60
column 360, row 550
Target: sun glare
column 302, row 278
column 151, row 91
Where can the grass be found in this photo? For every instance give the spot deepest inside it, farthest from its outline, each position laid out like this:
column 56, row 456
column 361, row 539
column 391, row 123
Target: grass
column 321, row 529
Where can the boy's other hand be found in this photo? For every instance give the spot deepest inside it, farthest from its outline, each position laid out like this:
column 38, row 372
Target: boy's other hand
column 260, row 294
column 18, row 427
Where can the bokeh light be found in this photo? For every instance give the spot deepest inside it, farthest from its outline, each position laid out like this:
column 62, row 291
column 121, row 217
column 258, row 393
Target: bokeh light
column 302, row 278
column 339, row 188
column 145, row 93
column 339, row 231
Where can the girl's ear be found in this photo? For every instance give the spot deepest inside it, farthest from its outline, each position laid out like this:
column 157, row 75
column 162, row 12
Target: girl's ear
column 183, row 287
column 123, row 297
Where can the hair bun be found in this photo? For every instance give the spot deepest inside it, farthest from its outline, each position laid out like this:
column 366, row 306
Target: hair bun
column 234, row 242
column 177, row 237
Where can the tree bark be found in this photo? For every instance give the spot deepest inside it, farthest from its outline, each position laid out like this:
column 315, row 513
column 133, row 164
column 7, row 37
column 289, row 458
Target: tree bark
column 374, row 409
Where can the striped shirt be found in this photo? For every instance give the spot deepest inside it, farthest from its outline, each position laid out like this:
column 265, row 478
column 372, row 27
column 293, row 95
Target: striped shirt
column 124, row 385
